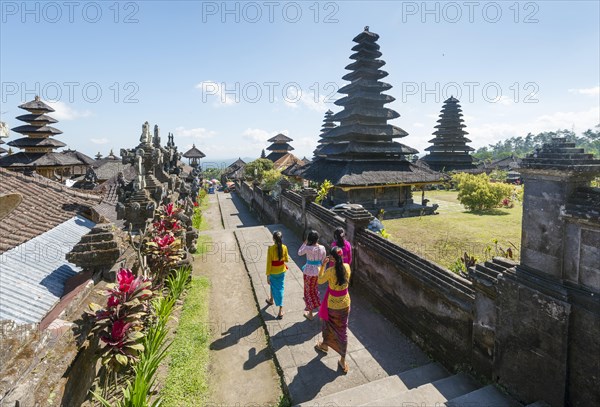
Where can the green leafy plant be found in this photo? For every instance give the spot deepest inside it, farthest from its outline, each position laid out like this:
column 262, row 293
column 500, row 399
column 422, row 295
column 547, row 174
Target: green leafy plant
column 270, row 178
column 384, row 234
column 119, row 325
column 477, row 193
column 179, row 281
column 323, row 191
column 254, row 170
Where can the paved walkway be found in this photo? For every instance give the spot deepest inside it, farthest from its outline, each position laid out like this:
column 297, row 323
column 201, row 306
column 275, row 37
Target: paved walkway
column 376, row 349
column 236, row 328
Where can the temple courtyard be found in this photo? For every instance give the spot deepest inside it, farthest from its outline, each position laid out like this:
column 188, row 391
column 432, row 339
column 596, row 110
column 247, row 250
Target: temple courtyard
column 273, row 362
column 454, row 231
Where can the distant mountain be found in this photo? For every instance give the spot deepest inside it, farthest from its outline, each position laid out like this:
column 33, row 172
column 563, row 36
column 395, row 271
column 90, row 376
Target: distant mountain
column 223, row 162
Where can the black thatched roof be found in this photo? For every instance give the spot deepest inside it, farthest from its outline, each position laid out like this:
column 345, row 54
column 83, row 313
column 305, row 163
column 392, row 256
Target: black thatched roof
column 370, row 173
column 449, row 151
column 29, row 129
column 36, row 142
column 23, row 159
column 274, row 156
column 361, row 150
column 36, row 118
column 280, row 147
column 78, row 156
column 2, row 151
column 194, row 153
column 280, row 138
column 36, row 105
column 236, row 164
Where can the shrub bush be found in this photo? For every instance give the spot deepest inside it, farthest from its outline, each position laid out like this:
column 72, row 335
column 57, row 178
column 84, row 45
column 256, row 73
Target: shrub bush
column 477, row 193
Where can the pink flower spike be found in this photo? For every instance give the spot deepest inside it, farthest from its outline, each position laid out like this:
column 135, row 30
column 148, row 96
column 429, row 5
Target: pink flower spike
column 125, row 277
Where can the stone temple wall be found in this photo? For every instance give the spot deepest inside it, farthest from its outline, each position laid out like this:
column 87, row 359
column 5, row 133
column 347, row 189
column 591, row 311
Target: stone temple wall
column 531, row 328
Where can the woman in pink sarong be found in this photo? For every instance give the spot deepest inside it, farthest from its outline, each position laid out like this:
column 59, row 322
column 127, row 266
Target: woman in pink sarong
column 335, row 308
column 315, row 253
column 340, row 241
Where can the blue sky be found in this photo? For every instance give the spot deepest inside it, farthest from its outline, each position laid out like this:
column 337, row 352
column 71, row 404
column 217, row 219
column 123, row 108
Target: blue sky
column 194, row 68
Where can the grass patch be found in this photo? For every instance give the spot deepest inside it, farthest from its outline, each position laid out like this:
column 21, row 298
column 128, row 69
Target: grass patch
column 202, row 244
column 199, row 220
column 445, row 237
column 187, row 381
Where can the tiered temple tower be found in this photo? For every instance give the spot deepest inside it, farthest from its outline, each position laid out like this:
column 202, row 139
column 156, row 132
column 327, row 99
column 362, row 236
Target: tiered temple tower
column 38, row 130
column 38, row 146
column 328, row 124
column 360, row 158
column 280, row 147
column 449, row 150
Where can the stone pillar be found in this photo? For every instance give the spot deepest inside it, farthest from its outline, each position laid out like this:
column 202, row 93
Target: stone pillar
column 534, row 309
column 308, row 195
column 357, row 218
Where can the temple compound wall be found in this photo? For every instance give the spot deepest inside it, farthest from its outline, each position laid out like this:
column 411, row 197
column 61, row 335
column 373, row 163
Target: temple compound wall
column 532, row 328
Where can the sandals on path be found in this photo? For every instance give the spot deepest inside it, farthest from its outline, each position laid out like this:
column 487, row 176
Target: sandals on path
column 269, row 302
column 344, row 368
column 319, row 348
column 307, row 317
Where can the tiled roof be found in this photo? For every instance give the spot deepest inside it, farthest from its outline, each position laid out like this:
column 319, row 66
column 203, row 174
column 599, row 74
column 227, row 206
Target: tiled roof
column 45, row 205
column 34, row 273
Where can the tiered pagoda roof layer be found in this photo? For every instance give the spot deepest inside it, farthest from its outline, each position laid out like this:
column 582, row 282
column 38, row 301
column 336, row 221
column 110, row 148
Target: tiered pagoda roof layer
column 38, row 147
column 449, row 150
column 328, row 124
column 361, row 150
column 279, row 148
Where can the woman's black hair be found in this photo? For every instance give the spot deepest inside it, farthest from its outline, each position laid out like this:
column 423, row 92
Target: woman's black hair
column 313, row 238
column 278, row 238
column 339, row 237
column 340, row 270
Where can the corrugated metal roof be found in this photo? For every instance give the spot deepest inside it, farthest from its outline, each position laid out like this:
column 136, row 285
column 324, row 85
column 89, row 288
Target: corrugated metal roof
column 33, row 274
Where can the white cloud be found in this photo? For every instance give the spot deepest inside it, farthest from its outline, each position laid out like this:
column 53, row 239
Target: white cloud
column 490, row 133
column 198, row 133
column 594, row 91
column 66, row 112
column 296, row 98
column 102, row 140
column 260, row 136
column 418, row 125
column 219, row 92
column 504, row 100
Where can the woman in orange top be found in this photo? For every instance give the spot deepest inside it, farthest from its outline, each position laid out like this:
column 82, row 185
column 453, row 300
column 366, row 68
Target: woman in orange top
column 335, row 308
column 277, row 256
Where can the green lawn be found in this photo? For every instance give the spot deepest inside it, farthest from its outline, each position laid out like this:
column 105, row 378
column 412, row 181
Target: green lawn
column 443, row 238
column 187, row 380
column 199, row 220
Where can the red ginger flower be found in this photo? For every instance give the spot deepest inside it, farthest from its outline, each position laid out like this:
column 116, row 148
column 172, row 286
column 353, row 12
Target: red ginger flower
column 113, row 301
column 117, row 333
column 125, row 278
column 165, row 241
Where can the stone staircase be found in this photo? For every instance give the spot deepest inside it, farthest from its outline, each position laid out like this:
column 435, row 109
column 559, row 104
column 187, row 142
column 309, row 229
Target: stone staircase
column 428, row 385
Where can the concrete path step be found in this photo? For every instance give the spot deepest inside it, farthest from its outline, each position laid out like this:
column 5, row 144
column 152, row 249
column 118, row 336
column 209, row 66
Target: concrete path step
column 431, row 394
column 488, row 396
column 386, row 387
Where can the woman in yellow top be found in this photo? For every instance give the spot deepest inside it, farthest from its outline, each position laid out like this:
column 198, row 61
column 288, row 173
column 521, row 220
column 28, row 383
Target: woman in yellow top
column 277, row 256
column 335, row 307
